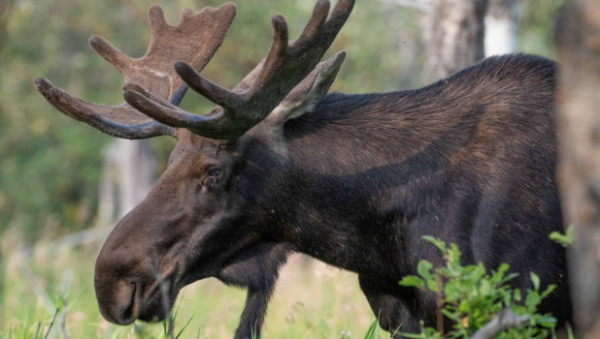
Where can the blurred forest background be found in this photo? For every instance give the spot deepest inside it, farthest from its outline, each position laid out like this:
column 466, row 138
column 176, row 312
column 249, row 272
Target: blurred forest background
column 59, row 177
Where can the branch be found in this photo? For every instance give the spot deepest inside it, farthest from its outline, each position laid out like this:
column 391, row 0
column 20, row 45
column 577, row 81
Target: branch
column 51, row 323
column 62, row 322
column 505, row 319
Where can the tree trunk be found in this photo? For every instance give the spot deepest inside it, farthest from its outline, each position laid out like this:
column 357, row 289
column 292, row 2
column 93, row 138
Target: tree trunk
column 579, row 150
column 500, row 27
column 107, row 196
column 453, row 33
column 128, row 174
column 136, row 168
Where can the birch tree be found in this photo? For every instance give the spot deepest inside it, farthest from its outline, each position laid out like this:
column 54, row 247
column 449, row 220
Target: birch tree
column 579, row 147
column 453, row 33
column 500, row 27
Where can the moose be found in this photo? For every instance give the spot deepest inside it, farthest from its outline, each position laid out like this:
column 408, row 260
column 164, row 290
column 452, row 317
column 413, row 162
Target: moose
column 280, row 166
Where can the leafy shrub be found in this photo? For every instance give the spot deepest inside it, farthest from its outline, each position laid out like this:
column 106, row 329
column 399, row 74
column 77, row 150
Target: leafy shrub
column 471, row 297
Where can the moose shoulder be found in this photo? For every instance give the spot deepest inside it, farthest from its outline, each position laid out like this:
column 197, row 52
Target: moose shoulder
column 280, row 166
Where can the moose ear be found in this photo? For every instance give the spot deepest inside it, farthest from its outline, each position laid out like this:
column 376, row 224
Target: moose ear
column 309, row 91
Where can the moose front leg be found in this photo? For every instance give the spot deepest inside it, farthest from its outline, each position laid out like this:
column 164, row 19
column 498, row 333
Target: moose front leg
column 392, row 314
column 257, row 269
column 253, row 316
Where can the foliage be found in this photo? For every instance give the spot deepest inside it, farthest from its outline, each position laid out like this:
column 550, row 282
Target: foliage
column 471, row 297
column 538, row 21
column 567, row 239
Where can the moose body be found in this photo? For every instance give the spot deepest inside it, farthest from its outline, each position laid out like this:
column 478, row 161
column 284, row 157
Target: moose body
column 469, row 159
column 352, row 180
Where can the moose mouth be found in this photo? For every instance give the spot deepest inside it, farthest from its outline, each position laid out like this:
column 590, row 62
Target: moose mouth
column 151, row 304
column 148, row 300
column 157, row 303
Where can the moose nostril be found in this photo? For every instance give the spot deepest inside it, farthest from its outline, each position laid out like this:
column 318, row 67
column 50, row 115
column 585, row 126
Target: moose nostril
column 128, row 313
column 118, row 302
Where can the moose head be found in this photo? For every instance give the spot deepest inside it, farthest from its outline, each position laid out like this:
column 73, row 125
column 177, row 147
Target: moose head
column 201, row 218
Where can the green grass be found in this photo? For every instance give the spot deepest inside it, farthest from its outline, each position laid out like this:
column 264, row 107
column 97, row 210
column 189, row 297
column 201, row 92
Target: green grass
column 312, row 300
column 46, row 291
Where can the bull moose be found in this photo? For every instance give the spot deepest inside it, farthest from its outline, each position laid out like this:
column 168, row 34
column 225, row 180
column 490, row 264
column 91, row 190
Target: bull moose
column 281, row 166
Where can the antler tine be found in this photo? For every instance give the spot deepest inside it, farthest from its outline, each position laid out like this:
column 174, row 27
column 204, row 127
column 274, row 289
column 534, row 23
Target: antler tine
column 338, row 18
column 156, row 19
column 89, row 113
column 317, row 19
column 110, row 53
column 285, row 66
column 210, row 90
column 276, row 56
column 160, row 109
column 194, row 39
column 224, row 97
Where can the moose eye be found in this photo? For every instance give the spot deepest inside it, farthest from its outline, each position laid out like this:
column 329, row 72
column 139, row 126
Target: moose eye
column 213, row 177
column 215, row 172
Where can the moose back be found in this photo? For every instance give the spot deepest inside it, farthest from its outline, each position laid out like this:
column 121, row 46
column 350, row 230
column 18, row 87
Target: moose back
column 281, row 166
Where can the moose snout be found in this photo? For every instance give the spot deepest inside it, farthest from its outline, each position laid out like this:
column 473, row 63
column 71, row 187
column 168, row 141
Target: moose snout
column 118, row 301
column 128, row 293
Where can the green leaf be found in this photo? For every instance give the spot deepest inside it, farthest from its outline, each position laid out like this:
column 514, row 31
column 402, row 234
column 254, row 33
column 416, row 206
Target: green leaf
column 451, row 315
column 547, row 321
column 536, row 281
column 437, row 242
column 454, row 254
column 549, row 290
column 499, row 274
column 519, row 309
column 532, row 300
column 452, row 291
column 485, row 287
column 517, row 295
column 412, row 281
column 478, row 272
column 423, row 268
column 503, row 268
column 432, row 284
column 509, row 277
column 373, row 331
column 566, row 239
column 570, row 333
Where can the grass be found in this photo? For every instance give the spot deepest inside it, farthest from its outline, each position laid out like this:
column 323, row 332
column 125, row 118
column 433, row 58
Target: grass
column 312, row 300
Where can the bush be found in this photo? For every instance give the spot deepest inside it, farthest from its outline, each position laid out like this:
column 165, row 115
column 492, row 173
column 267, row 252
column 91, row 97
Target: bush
column 471, row 297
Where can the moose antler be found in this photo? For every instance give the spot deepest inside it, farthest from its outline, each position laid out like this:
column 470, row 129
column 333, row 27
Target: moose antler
column 195, row 39
column 251, row 101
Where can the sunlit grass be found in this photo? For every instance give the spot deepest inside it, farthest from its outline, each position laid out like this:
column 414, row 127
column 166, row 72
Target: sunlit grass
column 312, row 300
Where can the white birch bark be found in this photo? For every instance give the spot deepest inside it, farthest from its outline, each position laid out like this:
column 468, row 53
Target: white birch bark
column 136, row 172
column 453, row 33
column 501, row 27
